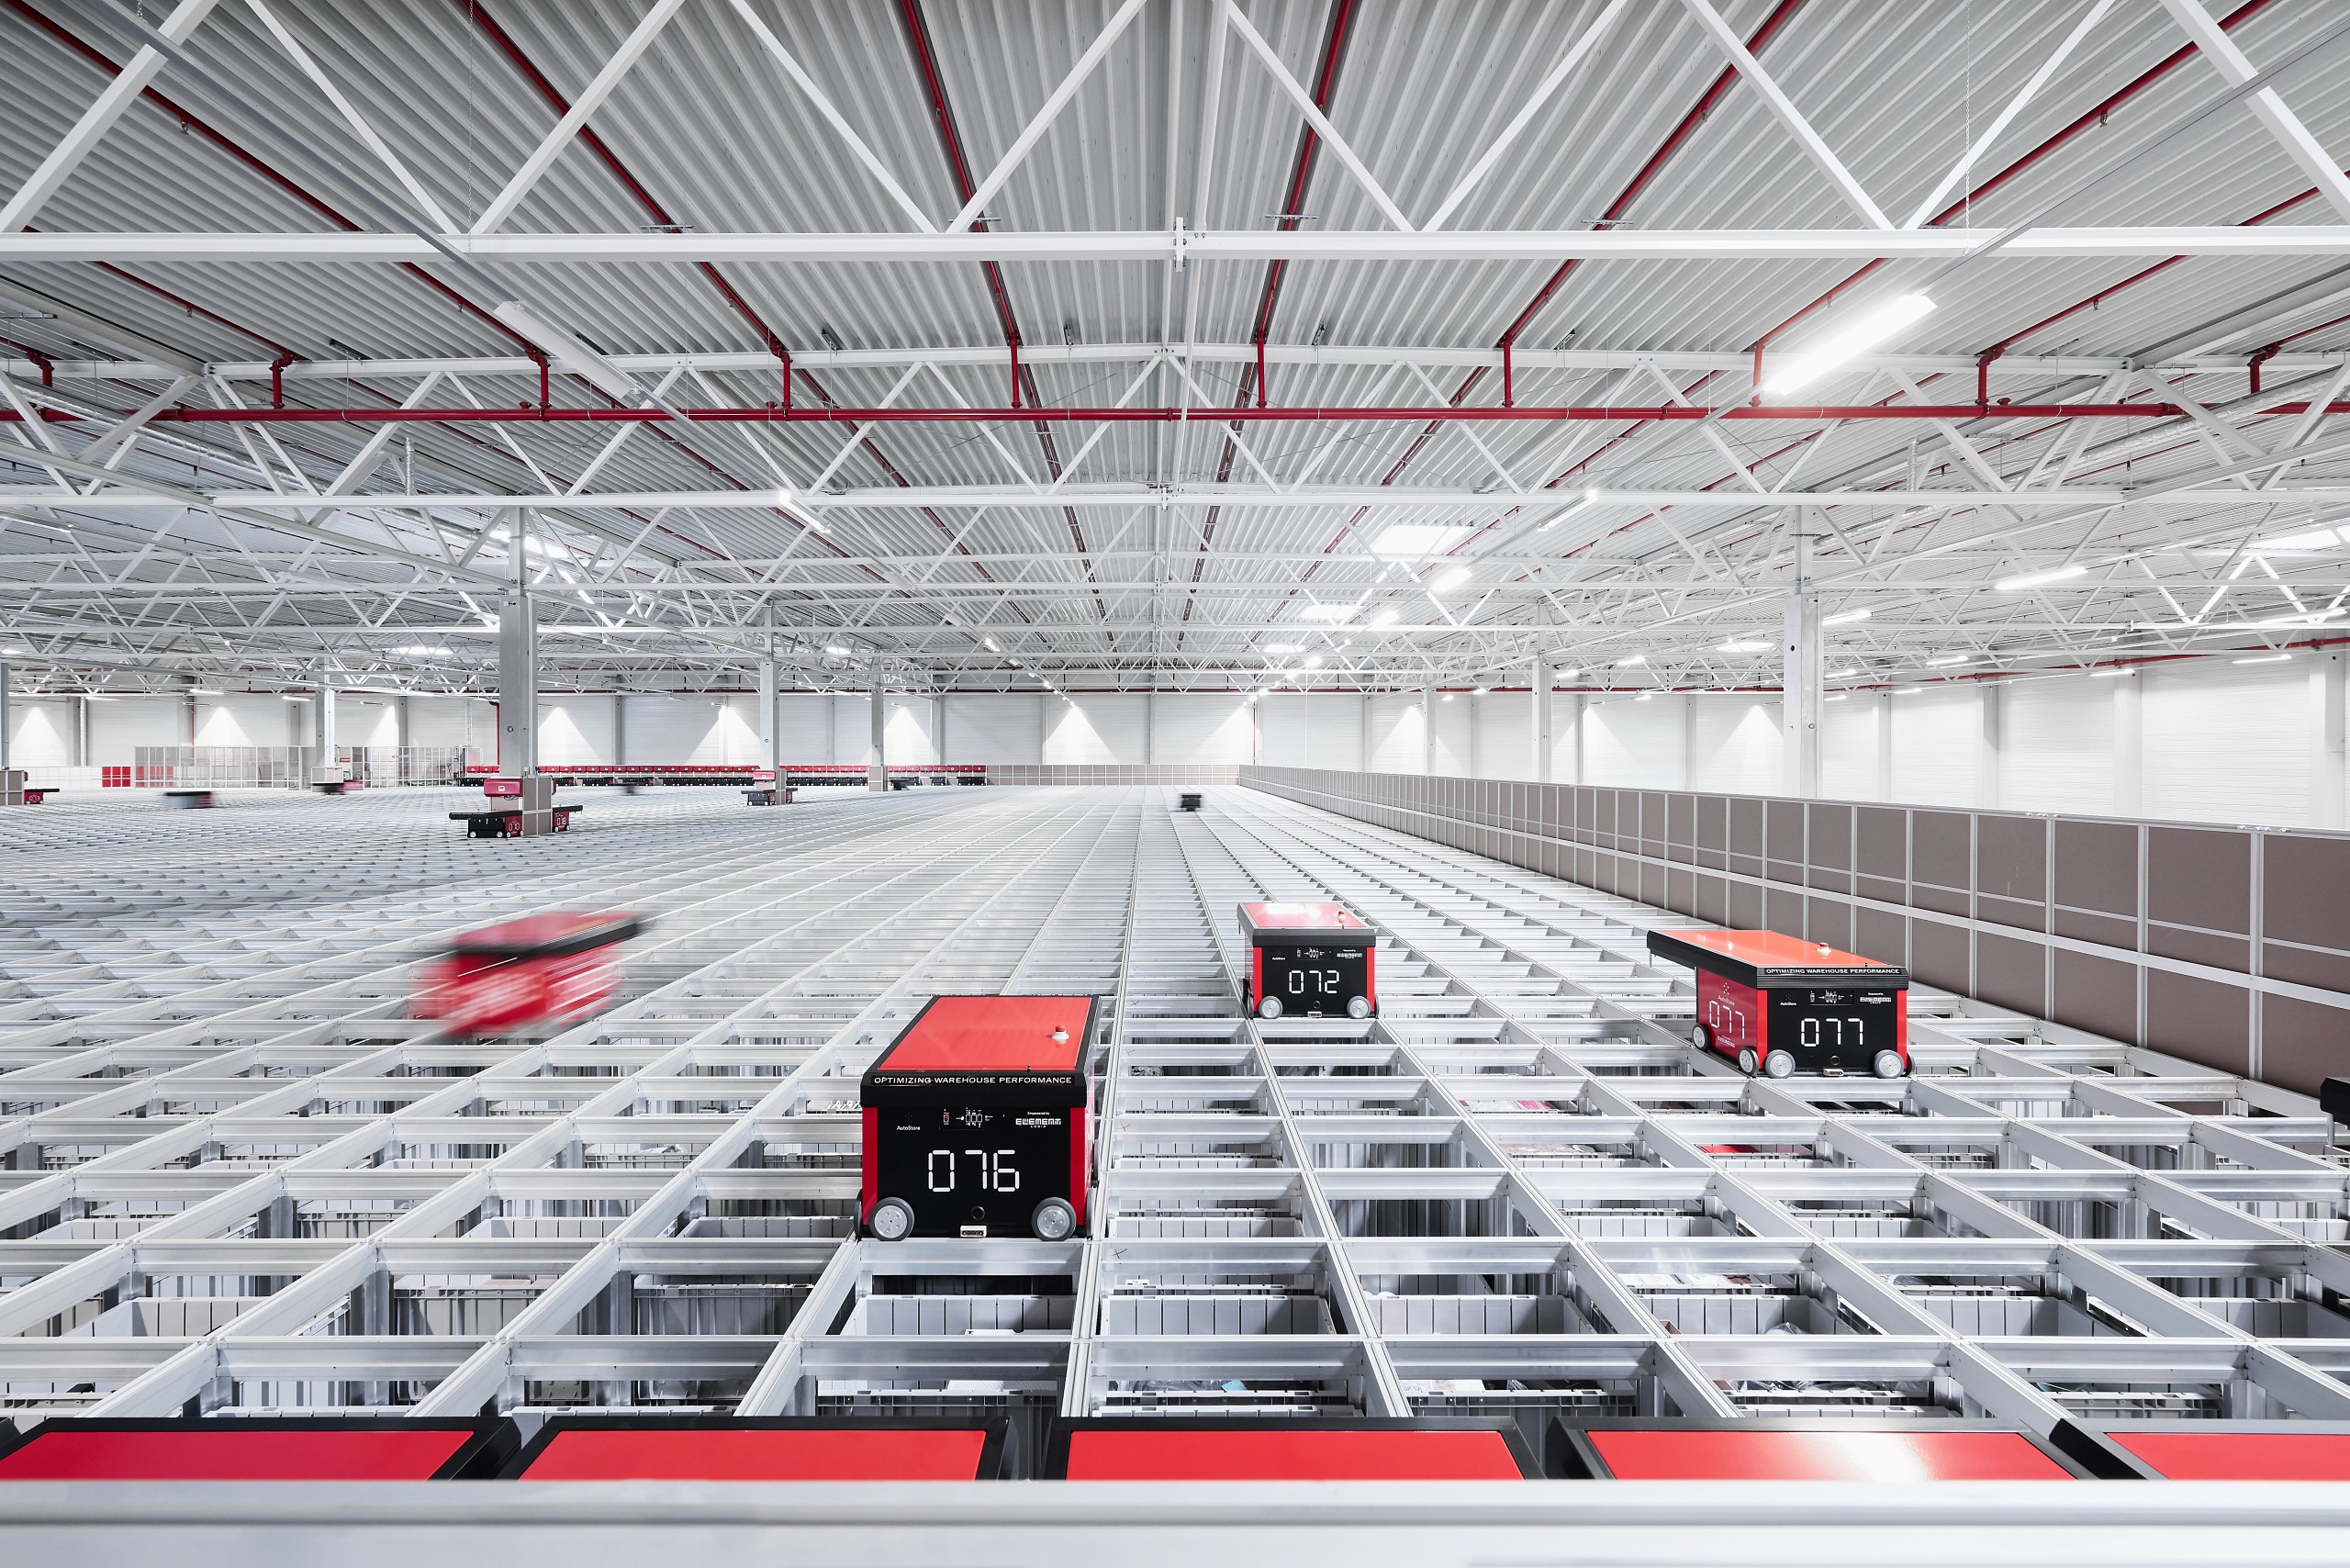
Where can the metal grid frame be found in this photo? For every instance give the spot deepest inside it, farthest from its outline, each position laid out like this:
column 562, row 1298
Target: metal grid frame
column 235, row 1179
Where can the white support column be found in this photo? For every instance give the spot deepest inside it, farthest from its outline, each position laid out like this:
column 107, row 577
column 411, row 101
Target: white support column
column 1801, row 673
column 1427, row 731
column 1883, row 700
column 1541, row 719
column 12, row 788
column 1476, row 736
column 1362, row 732
column 401, row 722
column 877, row 759
column 1689, row 741
column 938, row 727
column 1149, row 727
column 2129, row 746
column 770, row 729
column 518, row 663
column 1991, row 717
column 81, row 731
column 325, row 769
column 1256, row 728
column 2326, row 731
column 1578, row 716
column 619, row 728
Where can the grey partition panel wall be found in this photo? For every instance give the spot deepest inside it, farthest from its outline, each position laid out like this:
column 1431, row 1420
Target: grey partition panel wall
column 1112, row 773
column 2230, row 947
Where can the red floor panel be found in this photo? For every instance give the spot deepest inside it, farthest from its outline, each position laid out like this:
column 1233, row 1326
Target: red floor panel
column 1824, row 1456
column 2241, row 1456
column 1290, row 1456
column 753, row 1454
column 232, row 1453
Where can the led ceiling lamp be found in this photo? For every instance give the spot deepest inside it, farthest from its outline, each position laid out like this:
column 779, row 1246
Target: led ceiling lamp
column 1863, row 332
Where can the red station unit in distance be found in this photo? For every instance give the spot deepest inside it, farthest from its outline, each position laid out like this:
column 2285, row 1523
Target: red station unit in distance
column 1783, row 1006
column 977, row 1120
column 1310, row 960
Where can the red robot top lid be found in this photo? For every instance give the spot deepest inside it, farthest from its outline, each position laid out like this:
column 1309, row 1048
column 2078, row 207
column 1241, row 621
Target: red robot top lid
column 993, row 1034
column 1331, row 922
column 1770, row 960
column 547, row 936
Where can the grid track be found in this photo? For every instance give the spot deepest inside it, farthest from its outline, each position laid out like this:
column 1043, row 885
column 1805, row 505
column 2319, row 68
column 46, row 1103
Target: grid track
column 234, row 1177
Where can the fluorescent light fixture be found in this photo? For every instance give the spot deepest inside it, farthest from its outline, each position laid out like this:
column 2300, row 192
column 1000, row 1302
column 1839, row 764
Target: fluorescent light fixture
column 424, row 651
column 835, row 650
column 988, row 643
column 1943, row 661
column 1566, row 674
column 569, row 354
column 1448, row 697
column 1451, row 577
column 1384, row 618
column 2265, row 659
column 1281, row 647
column 1747, row 645
column 1325, row 613
column 1855, row 337
column 204, row 692
column 1312, row 661
column 1479, row 692
column 1629, row 660
column 2316, row 539
column 1644, row 696
column 1842, row 673
column 1907, row 690
column 2306, row 618
column 2109, row 672
column 296, row 696
column 1844, row 618
column 1418, row 539
column 1838, row 698
column 2035, row 579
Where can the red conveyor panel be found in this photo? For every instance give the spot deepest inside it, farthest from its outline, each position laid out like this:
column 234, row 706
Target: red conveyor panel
column 1276, row 1455
column 706, row 1453
column 1879, row 1456
column 232, row 1453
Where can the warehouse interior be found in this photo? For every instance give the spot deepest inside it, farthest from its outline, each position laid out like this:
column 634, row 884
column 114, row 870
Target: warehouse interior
column 584, row 582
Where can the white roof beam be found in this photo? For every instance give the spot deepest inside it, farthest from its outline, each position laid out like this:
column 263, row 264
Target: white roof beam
column 1815, row 146
column 1505, row 245
column 591, row 98
column 2213, row 42
column 99, row 118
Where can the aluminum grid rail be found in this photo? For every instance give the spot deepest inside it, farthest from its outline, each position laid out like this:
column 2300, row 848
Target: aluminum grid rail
column 235, row 1178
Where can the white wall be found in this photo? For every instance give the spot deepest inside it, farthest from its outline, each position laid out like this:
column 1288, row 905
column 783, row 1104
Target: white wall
column 2227, row 741
column 2219, row 741
column 992, row 729
column 41, row 732
column 1851, row 735
column 1736, row 744
column 1635, row 744
column 1095, row 728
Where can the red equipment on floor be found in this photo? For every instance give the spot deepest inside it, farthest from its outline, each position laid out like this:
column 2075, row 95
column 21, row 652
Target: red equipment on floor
column 1310, row 960
column 1780, row 1004
column 542, row 968
column 975, row 1120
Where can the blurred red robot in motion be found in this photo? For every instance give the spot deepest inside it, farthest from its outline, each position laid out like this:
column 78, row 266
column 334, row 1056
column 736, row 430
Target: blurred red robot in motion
column 542, row 968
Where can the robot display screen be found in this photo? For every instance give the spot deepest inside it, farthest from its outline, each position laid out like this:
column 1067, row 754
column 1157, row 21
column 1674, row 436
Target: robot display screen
column 974, row 1166
column 1307, row 980
column 1834, row 1028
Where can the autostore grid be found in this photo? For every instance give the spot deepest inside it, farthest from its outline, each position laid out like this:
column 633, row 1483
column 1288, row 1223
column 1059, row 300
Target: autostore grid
column 238, row 1179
